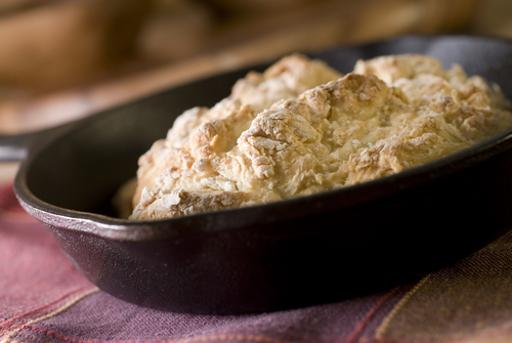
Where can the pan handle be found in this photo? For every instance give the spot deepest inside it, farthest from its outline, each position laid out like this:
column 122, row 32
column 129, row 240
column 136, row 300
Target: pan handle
column 16, row 147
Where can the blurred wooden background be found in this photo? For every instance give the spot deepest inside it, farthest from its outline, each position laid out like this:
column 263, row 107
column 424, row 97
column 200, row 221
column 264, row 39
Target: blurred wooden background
column 63, row 59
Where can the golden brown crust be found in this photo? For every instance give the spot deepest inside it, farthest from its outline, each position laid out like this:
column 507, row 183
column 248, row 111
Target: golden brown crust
column 343, row 132
column 200, row 133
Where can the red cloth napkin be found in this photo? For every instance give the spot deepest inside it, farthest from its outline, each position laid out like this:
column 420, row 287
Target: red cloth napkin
column 44, row 298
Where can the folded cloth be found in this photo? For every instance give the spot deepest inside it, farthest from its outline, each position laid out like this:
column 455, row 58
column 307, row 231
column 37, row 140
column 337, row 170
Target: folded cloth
column 44, row 298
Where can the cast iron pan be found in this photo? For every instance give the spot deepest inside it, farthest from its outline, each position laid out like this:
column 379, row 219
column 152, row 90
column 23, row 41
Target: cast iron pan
column 310, row 250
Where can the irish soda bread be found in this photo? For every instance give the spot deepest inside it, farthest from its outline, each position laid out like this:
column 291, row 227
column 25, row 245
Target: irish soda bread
column 301, row 128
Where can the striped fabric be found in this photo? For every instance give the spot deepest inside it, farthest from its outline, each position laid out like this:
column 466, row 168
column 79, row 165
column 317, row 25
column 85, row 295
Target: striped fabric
column 43, row 298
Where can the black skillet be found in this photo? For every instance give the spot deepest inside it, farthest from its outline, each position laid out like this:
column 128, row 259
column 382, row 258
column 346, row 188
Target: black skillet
column 287, row 254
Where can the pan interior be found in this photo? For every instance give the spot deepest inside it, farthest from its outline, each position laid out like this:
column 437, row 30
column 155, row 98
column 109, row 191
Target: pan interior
column 83, row 168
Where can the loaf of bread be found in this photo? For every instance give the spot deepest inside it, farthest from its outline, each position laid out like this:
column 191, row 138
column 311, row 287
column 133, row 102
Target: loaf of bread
column 300, row 128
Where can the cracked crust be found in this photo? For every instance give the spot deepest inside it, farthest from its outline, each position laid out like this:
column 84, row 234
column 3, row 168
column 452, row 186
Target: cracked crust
column 200, row 133
column 267, row 142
